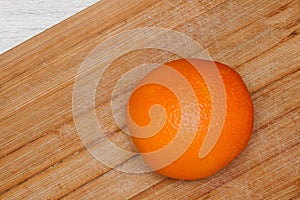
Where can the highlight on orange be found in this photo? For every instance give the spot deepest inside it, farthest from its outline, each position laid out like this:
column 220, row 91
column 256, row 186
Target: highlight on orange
column 189, row 118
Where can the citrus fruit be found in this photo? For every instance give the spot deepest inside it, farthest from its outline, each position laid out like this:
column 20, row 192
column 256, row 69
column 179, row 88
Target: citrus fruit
column 152, row 130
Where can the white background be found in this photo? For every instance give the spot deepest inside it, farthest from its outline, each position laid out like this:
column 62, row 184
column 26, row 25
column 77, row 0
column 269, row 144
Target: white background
column 22, row 19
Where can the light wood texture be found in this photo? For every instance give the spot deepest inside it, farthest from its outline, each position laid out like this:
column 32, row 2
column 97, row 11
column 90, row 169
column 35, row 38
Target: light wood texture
column 21, row 20
column 42, row 156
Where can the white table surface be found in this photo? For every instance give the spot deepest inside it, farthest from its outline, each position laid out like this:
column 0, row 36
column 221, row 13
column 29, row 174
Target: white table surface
column 22, row 19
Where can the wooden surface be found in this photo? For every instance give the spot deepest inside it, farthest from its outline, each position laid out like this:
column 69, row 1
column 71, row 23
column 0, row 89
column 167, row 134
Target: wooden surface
column 42, row 156
column 21, row 20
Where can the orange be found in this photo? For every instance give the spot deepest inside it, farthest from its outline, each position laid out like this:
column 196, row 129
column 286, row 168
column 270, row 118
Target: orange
column 235, row 132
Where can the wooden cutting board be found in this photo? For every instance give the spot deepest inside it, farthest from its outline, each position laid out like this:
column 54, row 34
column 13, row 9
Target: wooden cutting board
column 42, row 156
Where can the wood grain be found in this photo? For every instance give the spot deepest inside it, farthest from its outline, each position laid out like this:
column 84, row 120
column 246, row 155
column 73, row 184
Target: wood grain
column 42, row 156
column 20, row 20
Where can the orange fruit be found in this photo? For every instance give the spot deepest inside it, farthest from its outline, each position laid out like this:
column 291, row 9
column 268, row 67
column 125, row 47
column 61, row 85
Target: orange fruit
column 234, row 135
